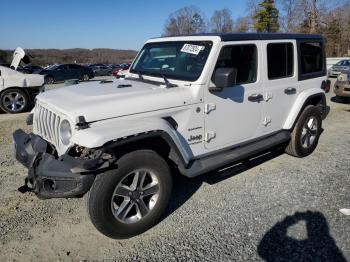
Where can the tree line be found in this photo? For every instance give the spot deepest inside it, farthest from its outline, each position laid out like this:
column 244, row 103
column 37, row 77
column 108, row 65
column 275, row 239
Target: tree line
column 330, row 18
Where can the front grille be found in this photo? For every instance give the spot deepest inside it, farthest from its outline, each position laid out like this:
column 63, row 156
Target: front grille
column 346, row 89
column 46, row 124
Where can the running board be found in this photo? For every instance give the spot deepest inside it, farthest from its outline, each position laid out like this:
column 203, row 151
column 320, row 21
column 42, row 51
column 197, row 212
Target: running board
column 235, row 155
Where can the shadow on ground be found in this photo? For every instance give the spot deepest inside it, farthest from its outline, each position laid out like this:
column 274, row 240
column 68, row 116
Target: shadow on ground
column 341, row 100
column 319, row 245
column 185, row 187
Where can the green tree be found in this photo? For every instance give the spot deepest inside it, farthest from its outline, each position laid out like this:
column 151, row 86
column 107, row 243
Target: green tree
column 266, row 18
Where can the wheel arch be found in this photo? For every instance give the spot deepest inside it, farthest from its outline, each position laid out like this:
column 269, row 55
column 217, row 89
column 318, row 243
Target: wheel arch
column 306, row 98
column 156, row 140
column 118, row 136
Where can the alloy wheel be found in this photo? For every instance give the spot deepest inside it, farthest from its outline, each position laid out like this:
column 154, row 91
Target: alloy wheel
column 14, row 101
column 309, row 132
column 135, row 196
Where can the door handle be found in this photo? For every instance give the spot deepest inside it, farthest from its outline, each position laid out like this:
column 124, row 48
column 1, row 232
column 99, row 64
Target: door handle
column 290, row 90
column 255, row 97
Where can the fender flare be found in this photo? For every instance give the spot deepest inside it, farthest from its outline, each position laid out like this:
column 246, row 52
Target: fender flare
column 117, row 133
column 302, row 101
column 175, row 153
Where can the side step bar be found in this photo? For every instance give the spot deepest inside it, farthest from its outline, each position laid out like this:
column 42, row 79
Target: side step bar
column 234, row 155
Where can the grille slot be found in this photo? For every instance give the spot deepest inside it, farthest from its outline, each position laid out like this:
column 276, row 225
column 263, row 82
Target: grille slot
column 46, row 124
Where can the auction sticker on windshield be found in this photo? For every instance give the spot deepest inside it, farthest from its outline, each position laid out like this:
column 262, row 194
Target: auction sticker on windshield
column 192, row 49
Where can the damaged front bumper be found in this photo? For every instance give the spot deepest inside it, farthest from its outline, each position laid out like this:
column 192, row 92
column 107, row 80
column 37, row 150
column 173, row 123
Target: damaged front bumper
column 50, row 176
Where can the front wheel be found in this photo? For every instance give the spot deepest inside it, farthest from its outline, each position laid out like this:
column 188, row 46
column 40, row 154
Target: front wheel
column 14, row 100
column 127, row 201
column 306, row 133
column 85, row 77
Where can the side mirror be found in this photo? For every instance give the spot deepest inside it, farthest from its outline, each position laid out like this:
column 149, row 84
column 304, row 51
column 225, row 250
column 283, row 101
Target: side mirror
column 225, row 77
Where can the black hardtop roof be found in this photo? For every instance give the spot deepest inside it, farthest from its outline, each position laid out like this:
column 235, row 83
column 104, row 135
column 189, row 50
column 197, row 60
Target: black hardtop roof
column 260, row 36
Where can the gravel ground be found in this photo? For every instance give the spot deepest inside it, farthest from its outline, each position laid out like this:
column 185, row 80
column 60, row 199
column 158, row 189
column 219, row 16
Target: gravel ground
column 279, row 208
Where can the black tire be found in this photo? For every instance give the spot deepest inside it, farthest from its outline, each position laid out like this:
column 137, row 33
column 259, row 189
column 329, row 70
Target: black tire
column 99, row 199
column 20, row 106
column 49, row 80
column 296, row 147
column 85, row 77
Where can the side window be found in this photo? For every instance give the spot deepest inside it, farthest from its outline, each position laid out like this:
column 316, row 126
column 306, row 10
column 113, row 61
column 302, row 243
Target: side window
column 311, row 57
column 241, row 57
column 280, row 58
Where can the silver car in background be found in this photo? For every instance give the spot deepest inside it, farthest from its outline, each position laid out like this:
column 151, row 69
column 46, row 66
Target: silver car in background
column 342, row 85
column 336, row 69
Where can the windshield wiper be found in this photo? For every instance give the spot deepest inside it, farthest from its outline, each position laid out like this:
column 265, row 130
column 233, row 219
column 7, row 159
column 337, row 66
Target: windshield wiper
column 167, row 83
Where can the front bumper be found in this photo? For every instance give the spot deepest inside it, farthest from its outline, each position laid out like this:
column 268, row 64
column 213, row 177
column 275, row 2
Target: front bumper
column 342, row 88
column 333, row 73
column 51, row 177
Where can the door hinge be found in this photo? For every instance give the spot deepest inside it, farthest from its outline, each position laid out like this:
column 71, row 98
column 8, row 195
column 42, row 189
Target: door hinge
column 209, row 107
column 267, row 120
column 209, row 136
column 268, row 96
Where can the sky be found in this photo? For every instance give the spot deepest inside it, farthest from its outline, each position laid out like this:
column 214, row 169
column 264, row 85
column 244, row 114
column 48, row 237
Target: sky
column 119, row 24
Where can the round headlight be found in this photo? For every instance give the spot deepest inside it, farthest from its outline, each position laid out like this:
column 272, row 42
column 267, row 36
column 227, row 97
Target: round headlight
column 65, row 132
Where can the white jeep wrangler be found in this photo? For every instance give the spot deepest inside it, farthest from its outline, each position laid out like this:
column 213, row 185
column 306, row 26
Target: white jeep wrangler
column 18, row 90
column 190, row 105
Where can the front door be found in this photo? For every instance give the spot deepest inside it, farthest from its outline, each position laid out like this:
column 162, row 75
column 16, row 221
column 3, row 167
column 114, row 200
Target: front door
column 233, row 115
column 280, row 82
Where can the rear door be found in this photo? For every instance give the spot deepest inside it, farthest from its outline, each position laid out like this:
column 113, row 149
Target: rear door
column 280, row 82
column 61, row 73
column 75, row 71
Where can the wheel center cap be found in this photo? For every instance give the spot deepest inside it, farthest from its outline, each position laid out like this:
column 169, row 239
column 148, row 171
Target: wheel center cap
column 135, row 195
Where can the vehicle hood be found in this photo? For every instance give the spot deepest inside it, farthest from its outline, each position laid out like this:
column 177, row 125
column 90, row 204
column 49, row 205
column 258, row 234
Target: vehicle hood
column 98, row 101
column 339, row 67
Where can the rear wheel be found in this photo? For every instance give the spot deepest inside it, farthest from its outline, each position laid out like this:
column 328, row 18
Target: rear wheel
column 14, row 100
column 306, row 133
column 49, row 80
column 130, row 199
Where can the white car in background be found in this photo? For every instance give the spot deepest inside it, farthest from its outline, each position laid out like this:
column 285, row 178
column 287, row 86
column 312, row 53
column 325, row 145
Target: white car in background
column 18, row 90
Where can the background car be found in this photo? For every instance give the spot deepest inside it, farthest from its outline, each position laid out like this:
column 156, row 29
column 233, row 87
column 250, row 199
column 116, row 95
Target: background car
column 59, row 73
column 342, row 86
column 120, row 68
column 336, row 69
column 122, row 73
column 101, row 69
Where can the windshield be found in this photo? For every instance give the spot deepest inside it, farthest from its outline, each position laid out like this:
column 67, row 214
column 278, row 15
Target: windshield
column 183, row 60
